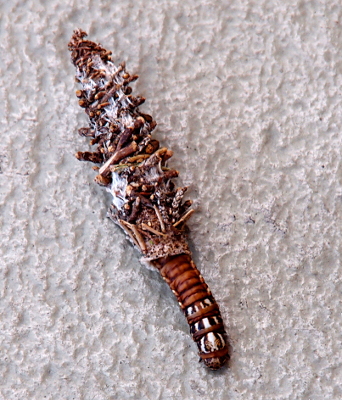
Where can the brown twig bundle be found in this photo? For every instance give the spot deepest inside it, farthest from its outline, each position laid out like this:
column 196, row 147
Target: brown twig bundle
column 146, row 203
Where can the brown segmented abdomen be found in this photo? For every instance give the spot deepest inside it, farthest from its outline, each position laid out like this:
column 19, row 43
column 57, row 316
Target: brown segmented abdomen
column 199, row 306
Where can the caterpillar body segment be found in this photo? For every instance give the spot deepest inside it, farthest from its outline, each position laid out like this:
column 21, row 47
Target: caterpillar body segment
column 199, row 307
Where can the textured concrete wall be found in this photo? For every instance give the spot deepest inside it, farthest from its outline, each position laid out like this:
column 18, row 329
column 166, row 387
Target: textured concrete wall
column 248, row 95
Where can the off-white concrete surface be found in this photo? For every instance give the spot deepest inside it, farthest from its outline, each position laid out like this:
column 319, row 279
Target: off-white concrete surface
column 248, row 95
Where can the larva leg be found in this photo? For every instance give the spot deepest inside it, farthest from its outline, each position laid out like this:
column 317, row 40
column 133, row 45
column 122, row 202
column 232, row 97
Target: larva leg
column 199, row 306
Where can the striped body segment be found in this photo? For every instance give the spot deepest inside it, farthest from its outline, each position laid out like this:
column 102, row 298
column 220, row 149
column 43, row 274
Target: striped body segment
column 199, row 306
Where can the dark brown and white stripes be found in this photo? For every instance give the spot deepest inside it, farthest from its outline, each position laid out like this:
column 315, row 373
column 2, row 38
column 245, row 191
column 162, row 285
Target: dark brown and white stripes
column 199, row 306
column 146, row 204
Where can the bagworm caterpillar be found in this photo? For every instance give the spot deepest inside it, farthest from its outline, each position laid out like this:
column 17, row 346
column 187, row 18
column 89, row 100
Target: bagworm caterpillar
column 146, row 203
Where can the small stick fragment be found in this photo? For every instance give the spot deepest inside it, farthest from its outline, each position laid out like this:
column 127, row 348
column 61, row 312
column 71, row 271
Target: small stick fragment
column 138, row 158
column 128, row 231
column 148, row 228
column 117, row 156
column 135, row 210
column 89, row 156
column 184, row 218
column 102, row 180
column 137, row 234
column 162, row 225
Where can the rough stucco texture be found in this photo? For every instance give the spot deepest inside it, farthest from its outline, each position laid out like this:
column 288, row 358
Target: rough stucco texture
column 248, row 96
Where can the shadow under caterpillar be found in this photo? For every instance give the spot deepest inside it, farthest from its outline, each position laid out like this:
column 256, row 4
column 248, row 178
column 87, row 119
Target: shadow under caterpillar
column 146, row 203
